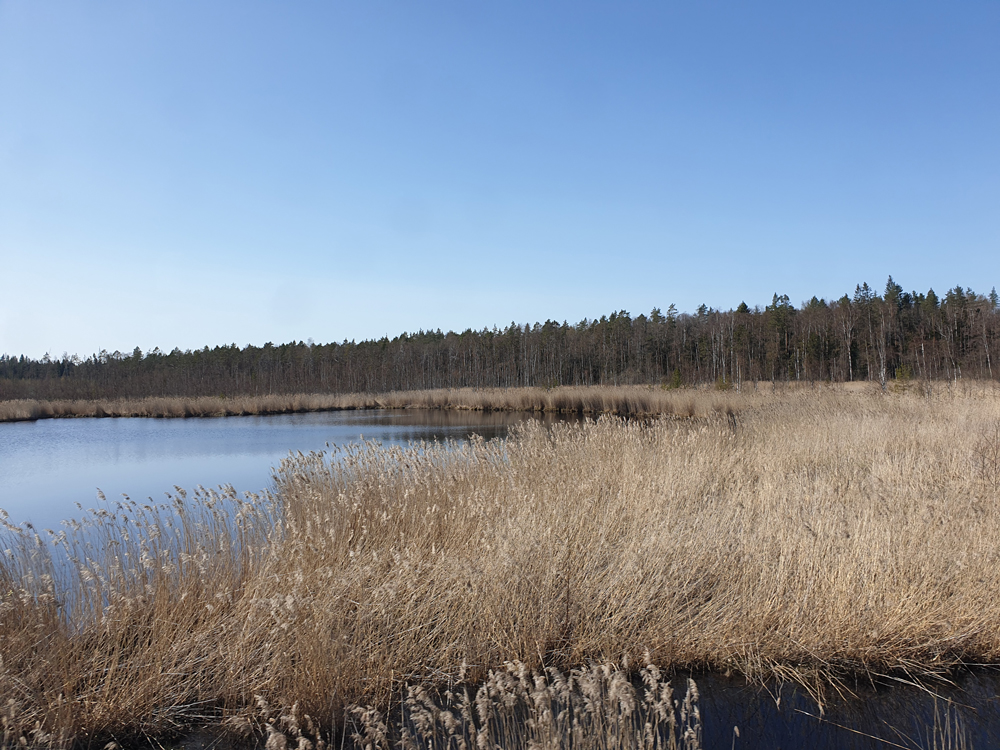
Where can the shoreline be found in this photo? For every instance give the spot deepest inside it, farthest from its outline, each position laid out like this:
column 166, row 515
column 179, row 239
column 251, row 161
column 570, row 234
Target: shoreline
column 629, row 400
column 763, row 710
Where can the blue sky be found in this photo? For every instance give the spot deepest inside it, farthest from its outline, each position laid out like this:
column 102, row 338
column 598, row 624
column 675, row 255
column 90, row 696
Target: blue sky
column 190, row 173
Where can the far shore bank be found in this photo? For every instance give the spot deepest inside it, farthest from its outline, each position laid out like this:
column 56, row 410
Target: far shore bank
column 625, row 400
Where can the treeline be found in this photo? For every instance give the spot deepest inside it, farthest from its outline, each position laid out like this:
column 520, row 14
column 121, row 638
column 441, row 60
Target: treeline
column 864, row 336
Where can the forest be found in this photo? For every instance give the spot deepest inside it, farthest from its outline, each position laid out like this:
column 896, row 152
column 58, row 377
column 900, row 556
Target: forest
column 864, row 336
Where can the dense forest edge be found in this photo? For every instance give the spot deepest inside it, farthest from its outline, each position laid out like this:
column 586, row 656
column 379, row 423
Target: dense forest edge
column 861, row 337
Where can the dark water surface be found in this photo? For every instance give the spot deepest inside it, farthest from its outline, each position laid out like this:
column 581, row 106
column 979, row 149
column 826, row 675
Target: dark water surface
column 889, row 714
column 49, row 465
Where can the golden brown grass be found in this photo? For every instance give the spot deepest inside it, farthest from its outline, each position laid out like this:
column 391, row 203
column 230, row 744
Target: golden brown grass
column 591, row 708
column 204, row 406
column 797, row 533
column 591, row 400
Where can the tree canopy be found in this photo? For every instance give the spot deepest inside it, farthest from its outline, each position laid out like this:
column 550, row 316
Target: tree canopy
column 863, row 336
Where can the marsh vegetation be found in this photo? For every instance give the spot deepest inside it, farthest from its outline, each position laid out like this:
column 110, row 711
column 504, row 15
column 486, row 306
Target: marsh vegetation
column 802, row 534
column 591, row 400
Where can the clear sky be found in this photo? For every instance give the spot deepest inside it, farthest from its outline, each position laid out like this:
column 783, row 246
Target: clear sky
column 190, row 173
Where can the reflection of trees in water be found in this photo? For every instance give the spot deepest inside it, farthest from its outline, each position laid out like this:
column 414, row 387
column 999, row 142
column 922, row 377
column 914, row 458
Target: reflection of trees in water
column 473, row 420
column 898, row 714
column 436, row 425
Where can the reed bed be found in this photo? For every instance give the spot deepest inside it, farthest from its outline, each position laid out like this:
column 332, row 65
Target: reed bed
column 800, row 534
column 591, row 400
column 626, row 400
column 175, row 406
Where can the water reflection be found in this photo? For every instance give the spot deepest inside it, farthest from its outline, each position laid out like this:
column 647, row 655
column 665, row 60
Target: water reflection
column 48, row 466
column 888, row 714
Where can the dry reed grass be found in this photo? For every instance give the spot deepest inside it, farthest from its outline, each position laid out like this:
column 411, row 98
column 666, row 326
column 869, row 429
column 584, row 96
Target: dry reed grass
column 806, row 534
column 591, row 400
column 176, row 406
column 593, row 708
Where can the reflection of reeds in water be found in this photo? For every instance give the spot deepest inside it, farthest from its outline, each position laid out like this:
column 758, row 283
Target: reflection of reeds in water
column 948, row 731
column 815, row 533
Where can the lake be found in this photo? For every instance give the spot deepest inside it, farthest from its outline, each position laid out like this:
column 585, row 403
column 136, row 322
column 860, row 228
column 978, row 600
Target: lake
column 48, row 466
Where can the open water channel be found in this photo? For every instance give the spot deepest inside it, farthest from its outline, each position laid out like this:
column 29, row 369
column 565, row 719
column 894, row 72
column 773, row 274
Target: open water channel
column 49, row 466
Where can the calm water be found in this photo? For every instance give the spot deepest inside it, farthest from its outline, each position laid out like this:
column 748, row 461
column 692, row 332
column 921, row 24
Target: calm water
column 48, row 466
column 887, row 714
